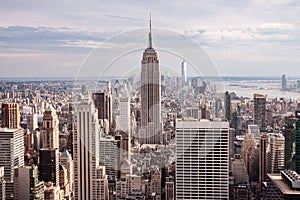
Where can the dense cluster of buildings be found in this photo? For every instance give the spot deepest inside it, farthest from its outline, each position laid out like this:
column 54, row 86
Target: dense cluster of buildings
column 153, row 138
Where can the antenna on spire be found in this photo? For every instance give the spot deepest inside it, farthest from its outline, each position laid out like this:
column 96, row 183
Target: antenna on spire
column 150, row 33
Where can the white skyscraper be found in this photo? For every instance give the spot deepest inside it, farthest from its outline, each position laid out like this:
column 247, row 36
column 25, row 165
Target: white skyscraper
column 11, row 155
column 202, row 160
column 123, row 119
column 85, row 151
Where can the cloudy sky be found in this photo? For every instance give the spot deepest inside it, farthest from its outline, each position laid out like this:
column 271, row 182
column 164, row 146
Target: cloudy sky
column 55, row 38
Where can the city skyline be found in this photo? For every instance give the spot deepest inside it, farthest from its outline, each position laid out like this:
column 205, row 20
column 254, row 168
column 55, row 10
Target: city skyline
column 249, row 37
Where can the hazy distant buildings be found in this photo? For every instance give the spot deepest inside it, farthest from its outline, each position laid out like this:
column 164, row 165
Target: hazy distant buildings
column 259, row 112
column 202, row 160
column 11, row 155
column 10, row 115
column 183, row 73
column 150, row 132
column 283, row 83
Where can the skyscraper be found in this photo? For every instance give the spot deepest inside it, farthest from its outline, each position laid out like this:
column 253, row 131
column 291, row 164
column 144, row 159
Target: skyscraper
column 297, row 149
column 202, row 160
column 183, row 73
column 283, row 83
column 259, row 112
column 26, row 183
column 103, row 102
column 123, row 119
column 275, row 154
column 85, row 150
column 11, row 155
column 10, row 115
column 49, row 165
column 150, row 95
column 50, row 132
column 2, row 183
column 227, row 106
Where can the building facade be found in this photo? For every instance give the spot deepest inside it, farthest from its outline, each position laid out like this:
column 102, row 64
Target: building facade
column 202, row 160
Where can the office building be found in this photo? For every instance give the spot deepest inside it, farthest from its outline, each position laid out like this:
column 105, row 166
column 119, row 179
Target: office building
column 10, row 115
column 259, row 112
column 227, row 106
column 241, row 186
column 150, row 132
column 123, row 119
column 2, row 183
column 109, row 155
column 50, row 132
column 27, row 185
column 67, row 162
column 262, row 161
column 297, row 145
column 283, row 186
column 11, row 155
column 202, row 160
column 275, row 153
column 289, row 145
column 85, row 150
column 102, row 184
column 103, row 102
column 49, row 165
column 32, row 122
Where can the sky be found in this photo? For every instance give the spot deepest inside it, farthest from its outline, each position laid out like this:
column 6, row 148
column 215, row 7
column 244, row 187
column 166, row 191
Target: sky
column 76, row 38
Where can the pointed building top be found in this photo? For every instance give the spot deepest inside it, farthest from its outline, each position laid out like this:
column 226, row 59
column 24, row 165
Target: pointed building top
column 150, row 34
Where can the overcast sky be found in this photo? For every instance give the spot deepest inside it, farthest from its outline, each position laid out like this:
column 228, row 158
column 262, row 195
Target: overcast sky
column 241, row 37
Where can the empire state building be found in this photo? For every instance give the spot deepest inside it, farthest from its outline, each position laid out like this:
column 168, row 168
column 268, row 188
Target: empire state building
column 150, row 132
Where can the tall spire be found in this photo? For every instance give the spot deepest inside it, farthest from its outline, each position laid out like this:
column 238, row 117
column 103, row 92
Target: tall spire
column 150, row 34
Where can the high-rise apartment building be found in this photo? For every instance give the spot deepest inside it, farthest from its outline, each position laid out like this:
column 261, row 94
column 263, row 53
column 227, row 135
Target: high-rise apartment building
column 86, row 150
column 150, row 132
column 259, row 112
column 202, row 160
column 10, row 115
column 11, row 155
column 275, row 153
